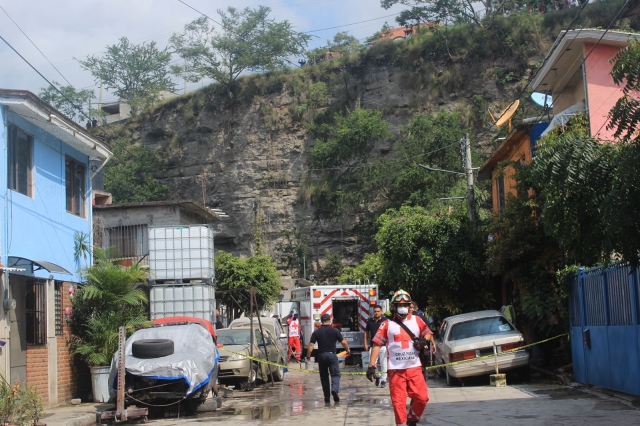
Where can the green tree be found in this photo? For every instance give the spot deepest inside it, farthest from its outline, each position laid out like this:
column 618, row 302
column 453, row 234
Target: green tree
column 71, row 102
column 379, row 34
column 432, row 140
column 436, row 258
column 129, row 174
column 625, row 115
column 521, row 252
column 240, row 273
column 369, row 269
column 339, row 161
column 332, row 268
column 110, row 297
column 293, row 249
column 589, row 196
column 343, row 43
column 573, row 174
column 456, row 11
column 135, row 73
column 247, row 41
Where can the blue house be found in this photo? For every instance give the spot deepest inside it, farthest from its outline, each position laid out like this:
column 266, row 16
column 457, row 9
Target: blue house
column 45, row 205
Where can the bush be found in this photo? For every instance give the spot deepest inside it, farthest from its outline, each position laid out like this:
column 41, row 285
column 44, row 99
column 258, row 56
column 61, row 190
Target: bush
column 19, row 405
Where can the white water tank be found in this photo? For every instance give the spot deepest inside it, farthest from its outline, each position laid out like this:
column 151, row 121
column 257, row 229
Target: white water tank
column 181, row 253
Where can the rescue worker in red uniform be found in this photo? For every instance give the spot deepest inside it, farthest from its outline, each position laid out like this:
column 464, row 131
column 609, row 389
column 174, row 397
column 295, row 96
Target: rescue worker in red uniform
column 294, row 336
column 404, row 367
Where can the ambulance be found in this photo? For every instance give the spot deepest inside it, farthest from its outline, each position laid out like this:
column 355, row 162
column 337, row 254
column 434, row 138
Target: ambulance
column 350, row 306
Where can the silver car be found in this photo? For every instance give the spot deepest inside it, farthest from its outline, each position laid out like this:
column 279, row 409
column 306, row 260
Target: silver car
column 235, row 369
column 272, row 324
column 472, row 335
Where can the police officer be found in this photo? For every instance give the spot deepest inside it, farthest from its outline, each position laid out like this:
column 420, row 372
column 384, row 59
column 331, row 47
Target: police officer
column 327, row 337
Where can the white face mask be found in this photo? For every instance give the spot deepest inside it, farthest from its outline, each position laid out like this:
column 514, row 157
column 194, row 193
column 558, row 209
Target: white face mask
column 403, row 310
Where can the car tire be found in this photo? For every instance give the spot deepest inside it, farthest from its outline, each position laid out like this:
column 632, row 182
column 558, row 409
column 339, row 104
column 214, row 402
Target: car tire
column 524, row 374
column 253, row 379
column 278, row 374
column 152, row 348
column 451, row 381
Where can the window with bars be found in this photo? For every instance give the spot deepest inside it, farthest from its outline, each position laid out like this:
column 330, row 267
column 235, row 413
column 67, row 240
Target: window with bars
column 75, row 183
column 130, row 241
column 58, row 308
column 20, row 161
column 36, row 312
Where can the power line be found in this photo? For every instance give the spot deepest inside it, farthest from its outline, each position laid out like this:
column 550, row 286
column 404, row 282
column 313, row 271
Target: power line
column 347, row 25
column 201, row 13
column 34, row 45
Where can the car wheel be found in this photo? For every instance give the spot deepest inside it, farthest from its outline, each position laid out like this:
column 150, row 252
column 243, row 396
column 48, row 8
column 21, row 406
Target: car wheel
column 451, row 381
column 152, row 348
column 524, row 374
column 253, row 378
column 278, row 375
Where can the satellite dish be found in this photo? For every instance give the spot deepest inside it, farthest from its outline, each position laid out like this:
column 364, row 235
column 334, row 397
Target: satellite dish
column 506, row 115
column 542, row 99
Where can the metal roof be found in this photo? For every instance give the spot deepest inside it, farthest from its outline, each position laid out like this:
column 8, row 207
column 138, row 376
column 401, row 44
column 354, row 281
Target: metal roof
column 43, row 115
column 567, row 54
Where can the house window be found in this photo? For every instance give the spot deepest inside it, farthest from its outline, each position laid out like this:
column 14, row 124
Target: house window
column 58, row 307
column 20, row 161
column 75, row 186
column 501, row 199
column 128, row 241
column 36, row 312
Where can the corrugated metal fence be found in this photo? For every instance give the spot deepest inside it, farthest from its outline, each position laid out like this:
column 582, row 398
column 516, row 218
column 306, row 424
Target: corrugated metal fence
column 604, row 305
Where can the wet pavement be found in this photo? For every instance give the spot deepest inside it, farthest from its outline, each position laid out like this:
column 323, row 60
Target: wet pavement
column 300, row 399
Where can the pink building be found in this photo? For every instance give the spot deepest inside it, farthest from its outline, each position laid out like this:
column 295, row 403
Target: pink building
column 576, row 73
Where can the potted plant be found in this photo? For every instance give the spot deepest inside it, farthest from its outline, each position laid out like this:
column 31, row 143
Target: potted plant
column 109, row 299
column 19, row 405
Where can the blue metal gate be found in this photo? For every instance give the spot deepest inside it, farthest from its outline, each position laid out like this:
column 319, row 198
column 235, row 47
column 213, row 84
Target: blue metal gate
column 604, row 308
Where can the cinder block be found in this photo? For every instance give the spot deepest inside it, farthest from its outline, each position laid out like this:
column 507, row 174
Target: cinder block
column 498, row 380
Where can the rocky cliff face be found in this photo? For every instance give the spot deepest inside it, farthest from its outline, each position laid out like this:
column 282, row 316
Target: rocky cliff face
column 249, row 157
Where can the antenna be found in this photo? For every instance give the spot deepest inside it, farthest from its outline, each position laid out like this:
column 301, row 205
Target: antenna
column 506, row 116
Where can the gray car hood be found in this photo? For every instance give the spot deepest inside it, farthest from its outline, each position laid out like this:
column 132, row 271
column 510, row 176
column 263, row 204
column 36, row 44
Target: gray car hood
column 194, row 357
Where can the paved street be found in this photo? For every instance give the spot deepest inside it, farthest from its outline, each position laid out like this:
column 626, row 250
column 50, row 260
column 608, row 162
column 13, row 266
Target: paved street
column 299, row 399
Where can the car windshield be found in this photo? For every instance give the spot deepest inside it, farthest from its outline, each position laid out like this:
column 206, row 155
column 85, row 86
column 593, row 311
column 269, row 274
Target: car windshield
column 233, row 337
column 479, row 327
column 246, row 324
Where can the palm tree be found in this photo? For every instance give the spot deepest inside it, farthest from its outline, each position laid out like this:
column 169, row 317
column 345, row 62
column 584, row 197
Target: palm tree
column 109, row 299
column 113, row 286
column 101, row 341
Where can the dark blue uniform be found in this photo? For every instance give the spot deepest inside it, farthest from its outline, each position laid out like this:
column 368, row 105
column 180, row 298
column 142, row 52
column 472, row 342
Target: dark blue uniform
column 327, row 337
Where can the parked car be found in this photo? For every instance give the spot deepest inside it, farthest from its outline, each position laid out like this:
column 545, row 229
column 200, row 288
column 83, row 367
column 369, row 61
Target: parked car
column 239, row 371
column 274, row 326
column 175, row 360
column 472, row 335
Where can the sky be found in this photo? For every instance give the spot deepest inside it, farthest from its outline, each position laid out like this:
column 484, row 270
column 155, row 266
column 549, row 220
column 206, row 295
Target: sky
column 68, row 29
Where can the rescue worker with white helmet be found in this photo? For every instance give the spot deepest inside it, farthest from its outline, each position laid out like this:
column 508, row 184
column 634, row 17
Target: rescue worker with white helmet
column 404, row 367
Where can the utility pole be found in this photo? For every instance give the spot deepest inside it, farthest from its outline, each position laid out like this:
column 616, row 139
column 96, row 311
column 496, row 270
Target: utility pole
column 466, row 155
column 100, row 97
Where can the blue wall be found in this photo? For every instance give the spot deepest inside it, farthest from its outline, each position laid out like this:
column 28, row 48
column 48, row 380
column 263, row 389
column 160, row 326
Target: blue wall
column 39, row 227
